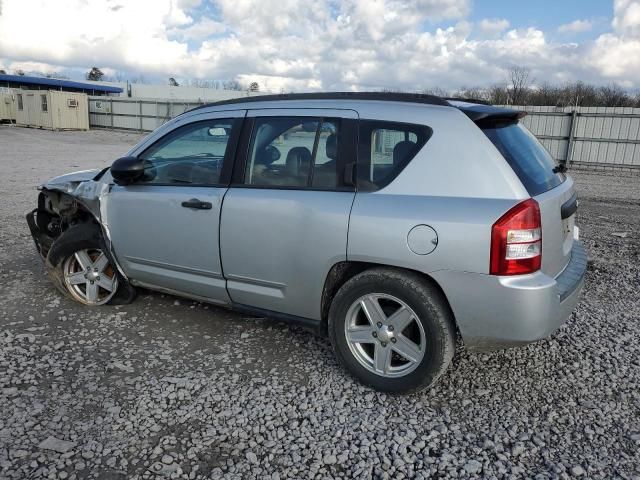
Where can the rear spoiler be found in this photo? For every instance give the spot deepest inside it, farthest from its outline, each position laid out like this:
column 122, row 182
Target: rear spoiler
column 487, row 113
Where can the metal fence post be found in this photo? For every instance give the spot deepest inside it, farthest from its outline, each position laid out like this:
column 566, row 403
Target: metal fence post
column 572, row 134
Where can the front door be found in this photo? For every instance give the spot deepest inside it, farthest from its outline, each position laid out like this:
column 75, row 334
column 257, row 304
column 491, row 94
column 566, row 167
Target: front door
column 285, row 218
column 164, row 228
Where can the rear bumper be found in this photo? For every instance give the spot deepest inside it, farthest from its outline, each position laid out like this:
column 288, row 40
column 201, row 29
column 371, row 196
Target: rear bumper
column 499, row 312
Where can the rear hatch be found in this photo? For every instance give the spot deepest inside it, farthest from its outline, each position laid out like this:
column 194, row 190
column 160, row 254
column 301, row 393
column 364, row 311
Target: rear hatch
column 545, row 182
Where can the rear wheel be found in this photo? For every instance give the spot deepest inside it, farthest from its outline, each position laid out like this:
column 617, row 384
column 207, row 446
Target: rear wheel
column 392, row 330
column 82, row 268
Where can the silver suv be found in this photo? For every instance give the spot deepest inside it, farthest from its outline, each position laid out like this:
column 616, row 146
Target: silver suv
column 389, row 222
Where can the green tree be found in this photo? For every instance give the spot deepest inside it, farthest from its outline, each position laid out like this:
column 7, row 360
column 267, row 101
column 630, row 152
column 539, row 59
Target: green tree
column 95, row 74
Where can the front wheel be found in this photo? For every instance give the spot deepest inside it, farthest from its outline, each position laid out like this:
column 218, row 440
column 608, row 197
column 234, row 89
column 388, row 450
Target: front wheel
column 392, row 330
column 81, row 268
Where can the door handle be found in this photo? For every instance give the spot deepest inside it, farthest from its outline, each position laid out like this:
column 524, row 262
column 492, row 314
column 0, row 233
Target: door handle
column 197, row 204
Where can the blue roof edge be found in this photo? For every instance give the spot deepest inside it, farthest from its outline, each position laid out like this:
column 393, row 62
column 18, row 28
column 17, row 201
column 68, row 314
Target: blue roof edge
column 55, row 82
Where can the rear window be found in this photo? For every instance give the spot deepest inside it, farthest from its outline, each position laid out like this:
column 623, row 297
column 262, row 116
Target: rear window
column 527, row 157
column 385, row 148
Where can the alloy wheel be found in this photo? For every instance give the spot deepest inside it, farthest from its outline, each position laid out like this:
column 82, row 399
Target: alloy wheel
column 89, row 277
column 385, row 335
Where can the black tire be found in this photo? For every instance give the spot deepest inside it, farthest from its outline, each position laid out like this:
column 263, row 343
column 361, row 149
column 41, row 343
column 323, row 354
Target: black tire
column 79, row 237
column 430, row 307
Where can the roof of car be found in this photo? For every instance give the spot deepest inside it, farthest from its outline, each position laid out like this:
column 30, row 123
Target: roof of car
column 476, row 110
column 382, row 96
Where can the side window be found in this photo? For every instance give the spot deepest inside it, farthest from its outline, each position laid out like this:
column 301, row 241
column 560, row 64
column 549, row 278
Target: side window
column 189, row 155
column 20, row 104
column 43, row 103
column 385, row 148
column 293, row 152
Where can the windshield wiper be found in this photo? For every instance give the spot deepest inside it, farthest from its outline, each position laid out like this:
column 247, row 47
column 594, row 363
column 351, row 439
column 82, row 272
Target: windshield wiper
column 561, row 168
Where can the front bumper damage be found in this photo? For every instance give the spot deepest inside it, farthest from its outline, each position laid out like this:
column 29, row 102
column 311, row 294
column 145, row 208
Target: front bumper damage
column 41, row 239
column 65, row 201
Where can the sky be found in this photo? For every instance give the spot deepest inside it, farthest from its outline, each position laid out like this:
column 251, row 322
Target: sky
column 291, row 45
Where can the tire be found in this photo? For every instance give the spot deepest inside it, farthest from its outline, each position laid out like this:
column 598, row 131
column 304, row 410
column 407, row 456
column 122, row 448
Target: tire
column 67, row 271
column 426, row 340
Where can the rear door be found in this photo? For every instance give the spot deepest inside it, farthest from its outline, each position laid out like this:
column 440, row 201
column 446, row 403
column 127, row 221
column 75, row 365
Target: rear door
column 553, row 191
column 285, row 218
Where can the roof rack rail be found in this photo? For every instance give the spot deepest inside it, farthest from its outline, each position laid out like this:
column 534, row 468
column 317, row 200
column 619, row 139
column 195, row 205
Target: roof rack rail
column 383, row 96
column 468, row 100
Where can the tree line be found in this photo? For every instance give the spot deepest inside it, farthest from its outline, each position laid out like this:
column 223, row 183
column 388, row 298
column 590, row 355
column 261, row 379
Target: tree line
column 519, row 89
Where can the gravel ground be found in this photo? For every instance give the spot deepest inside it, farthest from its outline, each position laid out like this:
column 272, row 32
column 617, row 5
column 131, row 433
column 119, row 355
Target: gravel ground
column 172, row 388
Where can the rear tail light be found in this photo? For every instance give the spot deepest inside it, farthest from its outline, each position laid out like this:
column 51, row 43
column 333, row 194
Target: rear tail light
column 516, row 241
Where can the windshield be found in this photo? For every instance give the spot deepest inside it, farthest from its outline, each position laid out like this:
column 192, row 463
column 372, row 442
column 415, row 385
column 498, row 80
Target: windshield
column 527, row 157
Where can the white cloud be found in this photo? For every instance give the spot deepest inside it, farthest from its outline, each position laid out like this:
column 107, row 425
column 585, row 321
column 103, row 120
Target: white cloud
column 616, row 55
column 626, row 19
column 202, row 29
column 576, row 26
column 40, row 67
column 491, row 27
column 292, row 45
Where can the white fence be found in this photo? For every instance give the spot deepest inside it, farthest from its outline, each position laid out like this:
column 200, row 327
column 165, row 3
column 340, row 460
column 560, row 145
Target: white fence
column 588, row 137
column 130, row 114
column 582, row 137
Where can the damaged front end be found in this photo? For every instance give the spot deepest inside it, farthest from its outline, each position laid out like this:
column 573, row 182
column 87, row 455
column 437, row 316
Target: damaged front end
column 63, row 202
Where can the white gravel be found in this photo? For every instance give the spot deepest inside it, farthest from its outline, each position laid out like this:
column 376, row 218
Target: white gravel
column 168, row 389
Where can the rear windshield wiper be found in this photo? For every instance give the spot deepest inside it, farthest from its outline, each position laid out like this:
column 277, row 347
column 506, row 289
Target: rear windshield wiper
column 561, row 168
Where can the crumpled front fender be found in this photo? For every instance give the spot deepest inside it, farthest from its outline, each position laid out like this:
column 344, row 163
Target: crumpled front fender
column 82, row 186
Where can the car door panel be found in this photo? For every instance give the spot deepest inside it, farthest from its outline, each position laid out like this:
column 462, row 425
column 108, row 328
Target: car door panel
column 278, row 242
column 158, row 242
column 278, row 246
column 165, row 235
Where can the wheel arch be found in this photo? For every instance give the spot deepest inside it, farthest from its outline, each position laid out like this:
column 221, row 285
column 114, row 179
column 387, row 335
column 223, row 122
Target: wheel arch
column 343, row 271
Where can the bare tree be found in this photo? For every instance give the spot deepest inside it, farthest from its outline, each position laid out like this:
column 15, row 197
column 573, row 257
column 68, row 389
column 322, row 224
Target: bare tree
column 232, row 85
column 520, row 78
column 498, row 94
column 437, row 91
column 545, row 94
column 254, row 87
column 474, row 93
column 613, row 96
column 19, row 71
column 173, row 82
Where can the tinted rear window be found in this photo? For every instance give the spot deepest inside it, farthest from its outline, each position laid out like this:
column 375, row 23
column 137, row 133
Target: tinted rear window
column 529, row 159
column 385, row 148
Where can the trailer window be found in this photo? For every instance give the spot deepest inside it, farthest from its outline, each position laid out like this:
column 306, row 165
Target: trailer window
column 43, row 102
column 20, row 104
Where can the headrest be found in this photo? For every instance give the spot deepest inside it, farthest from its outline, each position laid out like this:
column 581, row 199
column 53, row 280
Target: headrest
column 267, row 155
column 298, row 160
column 402, row 150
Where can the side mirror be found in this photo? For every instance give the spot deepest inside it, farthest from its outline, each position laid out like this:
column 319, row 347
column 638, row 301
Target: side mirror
column 126, row 170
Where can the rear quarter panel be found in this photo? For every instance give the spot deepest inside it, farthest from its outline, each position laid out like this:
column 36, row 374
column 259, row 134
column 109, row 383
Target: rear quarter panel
column 380, row 225
column 458, row 184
